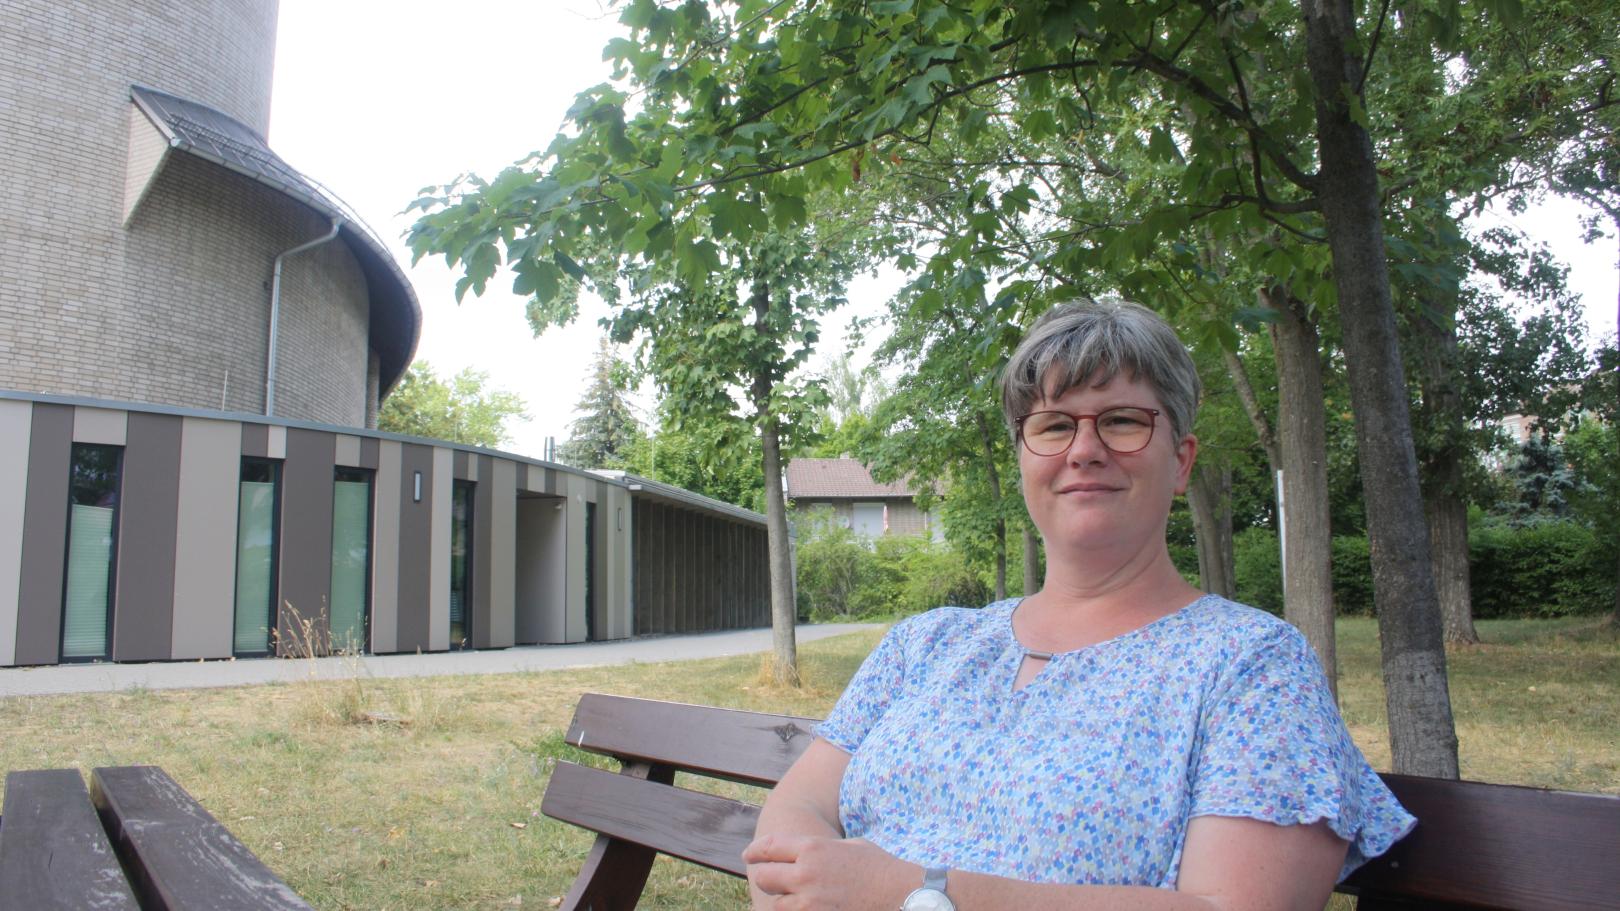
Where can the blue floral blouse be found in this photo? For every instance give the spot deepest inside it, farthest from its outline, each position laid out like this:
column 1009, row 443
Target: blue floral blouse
column 1090, row 772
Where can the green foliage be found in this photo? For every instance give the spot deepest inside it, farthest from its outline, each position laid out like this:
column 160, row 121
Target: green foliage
column 1258, row 565
column 460, row 410
column 602, row 435
column 844, row 576
column 717, row 459
column 1545, row 569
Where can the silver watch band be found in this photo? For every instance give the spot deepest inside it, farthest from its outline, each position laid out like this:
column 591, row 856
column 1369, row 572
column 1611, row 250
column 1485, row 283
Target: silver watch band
column 934, row 878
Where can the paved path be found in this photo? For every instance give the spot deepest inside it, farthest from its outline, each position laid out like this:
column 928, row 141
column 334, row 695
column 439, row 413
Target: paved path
column 93, row 678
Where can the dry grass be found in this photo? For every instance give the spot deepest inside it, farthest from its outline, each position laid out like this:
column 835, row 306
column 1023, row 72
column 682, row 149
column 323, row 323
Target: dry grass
column 441, row 810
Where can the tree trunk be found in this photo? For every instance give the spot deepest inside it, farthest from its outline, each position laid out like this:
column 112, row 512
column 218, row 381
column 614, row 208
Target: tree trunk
column 1302, row 450
column 1032, row 560
column 987, row 438
column 1422, row 735
column 1209, row 496
column 785, row 663
column 1444, row 507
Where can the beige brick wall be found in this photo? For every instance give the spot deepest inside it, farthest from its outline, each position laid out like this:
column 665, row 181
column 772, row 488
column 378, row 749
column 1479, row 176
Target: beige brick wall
column 173, row 307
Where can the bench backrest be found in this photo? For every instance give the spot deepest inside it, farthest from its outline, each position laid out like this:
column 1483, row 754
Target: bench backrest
column 1476, row 845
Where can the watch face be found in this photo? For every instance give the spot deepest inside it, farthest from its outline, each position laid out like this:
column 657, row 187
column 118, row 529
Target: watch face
column 927, row 900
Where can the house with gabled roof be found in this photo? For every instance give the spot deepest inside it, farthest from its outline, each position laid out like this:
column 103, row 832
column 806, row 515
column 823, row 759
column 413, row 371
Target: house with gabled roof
column 845, row 487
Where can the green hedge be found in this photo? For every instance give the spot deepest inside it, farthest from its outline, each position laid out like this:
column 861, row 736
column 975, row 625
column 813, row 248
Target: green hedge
column 1552, row 569
column 1548, row 569
column 843, row 576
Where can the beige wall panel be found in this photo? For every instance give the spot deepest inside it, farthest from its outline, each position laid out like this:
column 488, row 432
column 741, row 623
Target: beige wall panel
column 276, row 445
column 16, row 419
column 542, row 579
column 385, row 544
column 106, row 426
column 439, row 568
column 503, row 551
column 574, row 560
column 205, row 538
column 348, row 451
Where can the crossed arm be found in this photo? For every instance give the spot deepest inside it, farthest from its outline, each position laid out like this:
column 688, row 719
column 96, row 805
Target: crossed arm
column 800, row 859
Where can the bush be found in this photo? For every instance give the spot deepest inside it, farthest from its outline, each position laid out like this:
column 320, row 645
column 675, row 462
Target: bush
column 1258, row 566
column 1546, row 569
column 1542, row 569
column 843, row 576
column 1352, row 576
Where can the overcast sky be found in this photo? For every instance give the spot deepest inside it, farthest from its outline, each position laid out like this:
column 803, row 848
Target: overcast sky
column 378, row 99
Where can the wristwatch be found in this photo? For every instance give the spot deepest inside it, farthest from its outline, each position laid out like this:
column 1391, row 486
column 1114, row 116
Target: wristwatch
column 931, row 897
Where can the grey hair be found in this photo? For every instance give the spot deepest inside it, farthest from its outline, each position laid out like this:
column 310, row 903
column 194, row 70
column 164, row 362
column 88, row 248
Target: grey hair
column 1091, row 341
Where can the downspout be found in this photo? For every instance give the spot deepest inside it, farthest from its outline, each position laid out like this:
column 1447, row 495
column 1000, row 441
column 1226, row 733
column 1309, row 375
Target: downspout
column 275, row 312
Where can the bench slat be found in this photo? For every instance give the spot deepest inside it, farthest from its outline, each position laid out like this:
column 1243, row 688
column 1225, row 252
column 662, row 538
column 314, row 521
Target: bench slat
column 701, row 828
column 1501, row 846
column 1476, row 846
column 53, row 852
column 750, row 747
column 179, row 857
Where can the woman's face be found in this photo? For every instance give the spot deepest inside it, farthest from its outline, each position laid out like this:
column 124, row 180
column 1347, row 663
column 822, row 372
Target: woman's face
column 1092, row 498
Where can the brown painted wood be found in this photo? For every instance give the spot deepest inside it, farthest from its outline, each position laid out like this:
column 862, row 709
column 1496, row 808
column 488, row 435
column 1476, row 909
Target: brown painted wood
column 1500, row 846
column 692, row 826
column 54, row 855
column 179, row 857
column 751, row 747
column 370, row 453
column 615, row 871
column 1478, row 846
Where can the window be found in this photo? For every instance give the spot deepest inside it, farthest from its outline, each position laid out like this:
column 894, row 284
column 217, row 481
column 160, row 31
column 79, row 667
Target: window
column 349, row 603
column 258, row 519
column 461, row 509
column 87, row 602
column 870, row 520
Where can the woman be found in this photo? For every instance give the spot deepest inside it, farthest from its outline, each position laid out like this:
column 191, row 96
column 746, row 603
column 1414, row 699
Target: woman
column 1118, row 739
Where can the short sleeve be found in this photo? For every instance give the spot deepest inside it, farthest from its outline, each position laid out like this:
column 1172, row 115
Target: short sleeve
column 1273, row 747
column 868, row 695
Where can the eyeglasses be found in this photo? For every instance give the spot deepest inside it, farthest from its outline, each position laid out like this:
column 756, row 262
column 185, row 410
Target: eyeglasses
column 1122, row 430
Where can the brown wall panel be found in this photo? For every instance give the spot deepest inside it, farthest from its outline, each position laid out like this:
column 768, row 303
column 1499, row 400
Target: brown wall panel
column 255, row 441
column 459, row 461
column 148, row 522
column 415, row 547
column 306, row 534
column 369, row 448
column 44, row 548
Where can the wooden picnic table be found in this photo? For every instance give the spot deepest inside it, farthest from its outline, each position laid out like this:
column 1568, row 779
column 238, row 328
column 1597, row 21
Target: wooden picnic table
column 135, row 841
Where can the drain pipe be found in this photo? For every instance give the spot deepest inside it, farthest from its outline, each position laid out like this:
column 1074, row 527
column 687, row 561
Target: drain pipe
column 275, row 313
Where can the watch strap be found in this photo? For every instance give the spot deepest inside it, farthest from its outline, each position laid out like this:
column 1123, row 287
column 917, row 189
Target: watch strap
column 934, row 878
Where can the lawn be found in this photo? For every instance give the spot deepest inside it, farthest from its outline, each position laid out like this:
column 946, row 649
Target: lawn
column 441, row 809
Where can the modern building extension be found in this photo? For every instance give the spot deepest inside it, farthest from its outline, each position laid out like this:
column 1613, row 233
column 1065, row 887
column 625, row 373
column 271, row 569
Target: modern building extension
column 194, row 339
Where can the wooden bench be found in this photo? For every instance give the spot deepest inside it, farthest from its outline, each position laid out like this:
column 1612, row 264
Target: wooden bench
column 1476, row 845
column 136, row 840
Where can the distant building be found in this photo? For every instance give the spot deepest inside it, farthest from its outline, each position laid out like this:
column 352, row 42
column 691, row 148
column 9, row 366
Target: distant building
column 846, row 488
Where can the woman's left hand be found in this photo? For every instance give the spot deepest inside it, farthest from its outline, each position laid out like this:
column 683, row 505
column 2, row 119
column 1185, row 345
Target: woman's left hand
column 842, row 874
